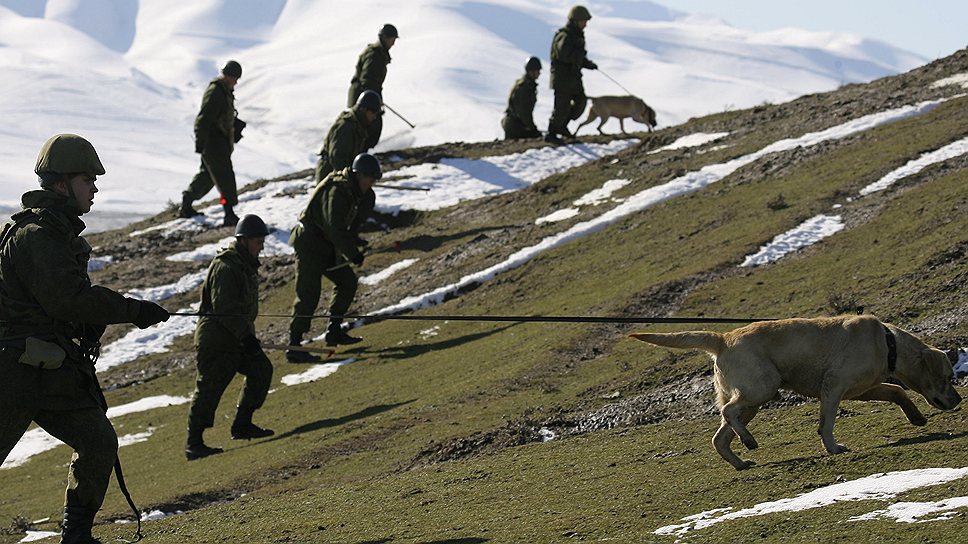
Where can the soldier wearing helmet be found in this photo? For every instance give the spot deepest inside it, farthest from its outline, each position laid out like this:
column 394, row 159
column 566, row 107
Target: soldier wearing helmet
column 568, row 58
column 518, row 121
column 347, row 136
column 371, row 72
column 225, row 340
column 325, row 245
column 217, row 130
column 51, row 321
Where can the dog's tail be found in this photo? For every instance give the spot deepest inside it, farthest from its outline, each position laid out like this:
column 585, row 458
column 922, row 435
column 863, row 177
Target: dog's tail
column 711, row 342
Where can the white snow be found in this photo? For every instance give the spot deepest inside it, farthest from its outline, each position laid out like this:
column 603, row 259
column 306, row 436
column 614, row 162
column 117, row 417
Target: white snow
column 151, row 515
column 184, row 284
column 957, row 79
column 378, row 277
column 38, row 535
column 129, row 76
column 592, row 198
column 692, row 140
column 807, row 233
column 918, row 512
column 961, row 367
column 97, row 263
column 317, row 372
column 950, row 151
column 139, row 343
column 129, row 439
column 881, row 486
column 37, row 440
column 558, row 215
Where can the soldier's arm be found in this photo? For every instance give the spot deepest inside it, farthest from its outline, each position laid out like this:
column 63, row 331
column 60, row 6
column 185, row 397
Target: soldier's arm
column 371, row 71
column 51, row 274
column 569, row 50
column 336, row 223
column 213, row 103
column 341, row 150
column 227, row 291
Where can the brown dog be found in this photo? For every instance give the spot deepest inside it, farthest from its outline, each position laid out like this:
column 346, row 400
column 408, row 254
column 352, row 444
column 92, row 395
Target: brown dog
column 604, row 107
column 832, row 358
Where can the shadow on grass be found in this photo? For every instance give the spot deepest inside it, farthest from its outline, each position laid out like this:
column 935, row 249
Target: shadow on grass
column 471, row 540
column 923, row 439
column 414, row 350
column 335, row 422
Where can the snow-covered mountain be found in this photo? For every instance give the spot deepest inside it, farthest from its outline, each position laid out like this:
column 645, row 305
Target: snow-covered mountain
column 129, row 75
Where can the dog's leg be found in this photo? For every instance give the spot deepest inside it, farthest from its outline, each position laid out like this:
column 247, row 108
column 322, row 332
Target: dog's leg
column 591, row 117
column 621, row 124
column 895, row 394
column 603, row 118
column 721, row 441
column 735, row 413
column 830, row 396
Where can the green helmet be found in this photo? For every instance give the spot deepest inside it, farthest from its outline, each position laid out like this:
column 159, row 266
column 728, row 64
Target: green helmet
column 370, row 100
column 68, row 154
column 579, row 13
column 232, row 69
column 368, row 165
column 389, row 31
column 251, row 226
column 533, row 63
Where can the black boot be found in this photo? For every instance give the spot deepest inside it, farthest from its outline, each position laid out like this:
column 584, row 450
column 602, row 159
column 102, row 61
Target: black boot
column 299, row 356
column 186, row 211
column 244, row 429
column 78, row 522
column 230, row 218
column 195, row 447
column 552, row 138
column 336, row 336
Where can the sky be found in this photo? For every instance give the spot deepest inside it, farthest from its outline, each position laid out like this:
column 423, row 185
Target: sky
column 933, row 28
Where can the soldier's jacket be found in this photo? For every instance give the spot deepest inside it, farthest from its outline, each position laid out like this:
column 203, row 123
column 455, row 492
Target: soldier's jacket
column 521, row 101
column 216, row 117
column 371, row 71
column 345, row 139
column 231, row 289
column 568, row 57
column 329, row 217
column 46, row 293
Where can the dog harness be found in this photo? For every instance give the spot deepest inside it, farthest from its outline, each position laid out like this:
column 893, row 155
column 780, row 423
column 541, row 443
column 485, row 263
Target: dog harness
column 891, row 349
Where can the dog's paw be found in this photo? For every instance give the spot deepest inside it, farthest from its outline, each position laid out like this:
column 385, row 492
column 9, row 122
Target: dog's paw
column 745, row 464
column 837, row 448
column 750, row 443
column 919, row 420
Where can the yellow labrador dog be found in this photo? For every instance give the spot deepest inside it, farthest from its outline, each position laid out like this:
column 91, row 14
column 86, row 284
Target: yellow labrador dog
column 604, row 107
column 830, row 358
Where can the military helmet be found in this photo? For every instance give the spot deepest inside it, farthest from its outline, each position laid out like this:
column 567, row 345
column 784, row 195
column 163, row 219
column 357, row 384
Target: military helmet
column 388, row 31
column 368, row 165
column 251, row 226
column 233, row 69
column 370, row 100
column 534, row 63
column 579, row 13
column 68, row 154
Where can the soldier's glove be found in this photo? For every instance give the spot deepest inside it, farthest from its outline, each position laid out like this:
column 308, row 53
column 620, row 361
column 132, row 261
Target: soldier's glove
column 199, row 146
column 251, row 344
column 150, row 314
column 590, row 65
column 358, row 261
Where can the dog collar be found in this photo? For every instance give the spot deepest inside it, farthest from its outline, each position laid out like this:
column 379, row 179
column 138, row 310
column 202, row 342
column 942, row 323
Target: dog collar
column 891, row 349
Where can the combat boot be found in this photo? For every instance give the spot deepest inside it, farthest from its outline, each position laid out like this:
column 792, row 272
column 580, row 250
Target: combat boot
column 78, row 522
column 195, row 448
column 336, row 336
column 186, row 211
column 553, row 138
column 244, row 429
column 293, row 356
column 230, row 219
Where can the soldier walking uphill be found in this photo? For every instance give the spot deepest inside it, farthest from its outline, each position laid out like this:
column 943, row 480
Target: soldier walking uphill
column 51, row 321
column 225, row 340
column 518, row 121
column 371, row 72
column 325, row 246
column 568, row 57
column 217, row 130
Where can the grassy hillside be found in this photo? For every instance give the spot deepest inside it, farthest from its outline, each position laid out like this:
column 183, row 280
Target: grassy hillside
column 434, row 432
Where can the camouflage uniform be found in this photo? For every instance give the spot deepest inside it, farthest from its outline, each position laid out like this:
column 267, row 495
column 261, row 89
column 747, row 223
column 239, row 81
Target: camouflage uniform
column 518, row 121
column 231, row 292
column 344, row 141
column 46, row 294
column 324, row 238
column 371, row 72
column 568, row 57
column 215, row 140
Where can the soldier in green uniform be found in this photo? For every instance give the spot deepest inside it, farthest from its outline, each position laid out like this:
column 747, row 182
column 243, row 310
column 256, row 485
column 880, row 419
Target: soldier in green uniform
column 347, row 137
column 51, row 321
column 518, row 121
column 225, row 340
column 325, row 246
column 371, row 72
column 568, row 57
column 217, row 130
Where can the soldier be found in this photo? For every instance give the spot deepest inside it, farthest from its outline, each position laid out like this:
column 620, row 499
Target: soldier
column 325, row 246
column 225, row 340
column 217, row 130
column 568, row 57
column 518, row 121
column 51, row 321
column 371, row 71
column 347, row 137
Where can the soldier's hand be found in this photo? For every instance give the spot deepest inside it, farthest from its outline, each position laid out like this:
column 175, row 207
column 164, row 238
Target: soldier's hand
column 150, row 314
column 251, row 344
column 199, row 146
column 590, row 65
column 358, row 260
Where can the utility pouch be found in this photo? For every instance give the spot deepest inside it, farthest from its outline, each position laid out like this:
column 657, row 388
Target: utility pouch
column 42, row 354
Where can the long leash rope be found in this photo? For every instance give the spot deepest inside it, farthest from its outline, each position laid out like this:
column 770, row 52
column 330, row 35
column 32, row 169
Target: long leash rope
column 497, row 318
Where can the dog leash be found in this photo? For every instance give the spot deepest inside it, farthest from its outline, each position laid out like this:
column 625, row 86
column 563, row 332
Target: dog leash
column 613, row 80
column 498, row 318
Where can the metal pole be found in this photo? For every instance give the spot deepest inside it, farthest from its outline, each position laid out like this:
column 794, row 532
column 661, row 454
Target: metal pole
column 387, row 106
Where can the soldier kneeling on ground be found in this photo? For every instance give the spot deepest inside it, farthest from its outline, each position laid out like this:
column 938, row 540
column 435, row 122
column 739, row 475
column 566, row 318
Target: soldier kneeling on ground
column 518, row 121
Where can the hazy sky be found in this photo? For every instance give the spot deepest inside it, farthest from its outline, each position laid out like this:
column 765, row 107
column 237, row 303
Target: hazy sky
column 931, row 28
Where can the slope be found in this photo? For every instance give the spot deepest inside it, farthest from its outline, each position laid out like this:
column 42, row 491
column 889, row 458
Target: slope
column 434, row 433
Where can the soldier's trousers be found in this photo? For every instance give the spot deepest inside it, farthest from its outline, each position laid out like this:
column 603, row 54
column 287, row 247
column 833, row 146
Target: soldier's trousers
column 215, row 171
column 514, row 129
column 315, row 259
column 215, row 370
column 87, row 431
column 569, row 105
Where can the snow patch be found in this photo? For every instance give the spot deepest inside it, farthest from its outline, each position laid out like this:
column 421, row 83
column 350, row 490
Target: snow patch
column 317, row 372
column 560, row 215
column 691, row 140
column 155, row 339
column 918, row 512
column 807, row 233
column 38, row 535
column 950, row 151
column 957, row 79
column 98, row 263
column 374, row 279
column 184, row 284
